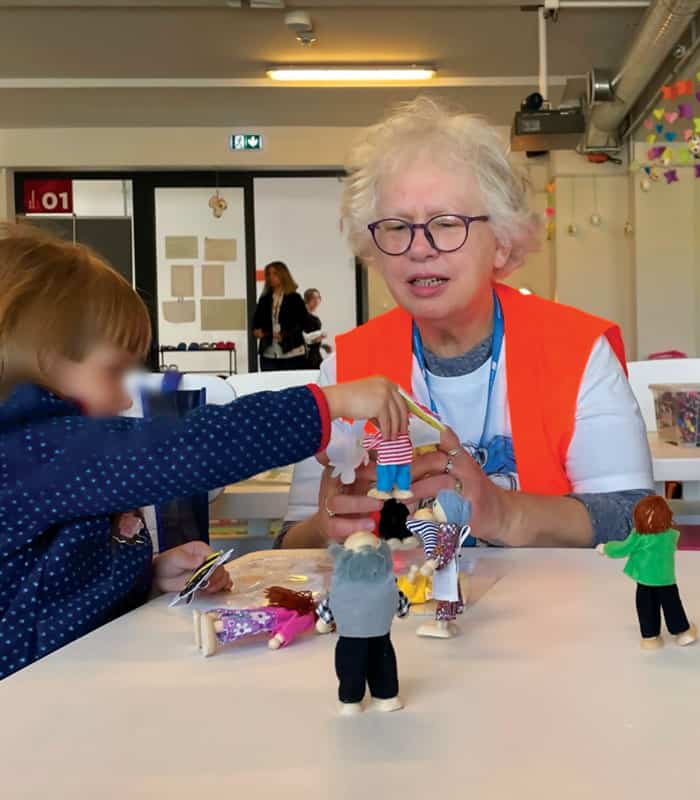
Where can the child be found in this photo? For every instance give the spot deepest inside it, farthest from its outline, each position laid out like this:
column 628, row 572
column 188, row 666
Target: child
column 651, row 549
column 70, row 328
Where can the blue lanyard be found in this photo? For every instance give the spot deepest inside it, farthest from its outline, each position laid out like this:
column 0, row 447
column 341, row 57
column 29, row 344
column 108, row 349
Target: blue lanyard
column 496, row 347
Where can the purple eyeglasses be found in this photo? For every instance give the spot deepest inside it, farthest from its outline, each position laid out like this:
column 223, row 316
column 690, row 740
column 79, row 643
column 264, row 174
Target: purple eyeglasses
column 445, row 233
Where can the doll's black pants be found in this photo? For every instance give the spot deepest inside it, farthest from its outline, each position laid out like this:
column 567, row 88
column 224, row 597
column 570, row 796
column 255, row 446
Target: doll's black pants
column 650, row 601
column 371, row 662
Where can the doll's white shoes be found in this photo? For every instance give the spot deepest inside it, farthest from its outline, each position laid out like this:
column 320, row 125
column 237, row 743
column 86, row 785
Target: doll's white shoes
column 349, row 709
column 389, row 704
column 438, row 630
column 687, row 637
column 378, row 495
column 402, row 494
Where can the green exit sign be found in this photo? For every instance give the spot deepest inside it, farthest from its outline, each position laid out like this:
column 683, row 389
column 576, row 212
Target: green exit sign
column 246, row 141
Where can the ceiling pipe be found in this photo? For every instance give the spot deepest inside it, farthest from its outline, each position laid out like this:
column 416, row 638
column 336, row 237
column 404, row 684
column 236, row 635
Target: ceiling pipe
column 662, row 25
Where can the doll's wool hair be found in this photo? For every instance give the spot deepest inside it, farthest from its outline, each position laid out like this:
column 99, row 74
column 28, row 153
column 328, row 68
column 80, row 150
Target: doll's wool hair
column 281, row 597
column 368, row 564
column 652, row 515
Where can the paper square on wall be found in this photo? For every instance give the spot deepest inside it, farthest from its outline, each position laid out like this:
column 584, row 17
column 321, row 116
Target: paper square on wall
column 219, row 249
column 181, row 247
column 223, row 315
column 213, row 280
column 182, row 280
column 176, row 311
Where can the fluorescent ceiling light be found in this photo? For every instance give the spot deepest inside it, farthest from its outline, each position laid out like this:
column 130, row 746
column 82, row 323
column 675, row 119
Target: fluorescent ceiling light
column 351, row 73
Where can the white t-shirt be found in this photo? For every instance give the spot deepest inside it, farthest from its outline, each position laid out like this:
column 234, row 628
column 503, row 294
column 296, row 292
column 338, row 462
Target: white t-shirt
column 609, row 451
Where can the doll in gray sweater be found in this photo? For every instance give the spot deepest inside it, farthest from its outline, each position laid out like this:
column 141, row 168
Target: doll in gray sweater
column 361, row 603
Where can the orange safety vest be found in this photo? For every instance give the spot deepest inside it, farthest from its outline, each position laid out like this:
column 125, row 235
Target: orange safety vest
column 548, row 347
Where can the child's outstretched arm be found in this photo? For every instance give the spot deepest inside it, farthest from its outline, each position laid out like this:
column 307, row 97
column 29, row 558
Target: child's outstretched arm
column 80, row 466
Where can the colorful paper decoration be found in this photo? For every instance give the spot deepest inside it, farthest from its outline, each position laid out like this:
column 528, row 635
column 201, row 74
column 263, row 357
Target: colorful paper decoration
column 687, row 133
column 549, row 212
column 655, row 152
column 651, row 138
column 697, row 170
column 635, row 166
column 684, row 157
column 696, row 122
column 668, row 92
column 685, row 111
column 658, row 113
column 667, row 156
column 671, row 176
column 697, row 95
column 684, row 87
column 671, row 117
column 659, row 128
column 649, row 123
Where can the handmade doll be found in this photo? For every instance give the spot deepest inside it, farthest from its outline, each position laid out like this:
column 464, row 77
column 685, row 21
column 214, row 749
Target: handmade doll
column 361, row 603
column 650, row 550
column 442, row 532
column 392, row 526
column 286, row 616
column 394, row 457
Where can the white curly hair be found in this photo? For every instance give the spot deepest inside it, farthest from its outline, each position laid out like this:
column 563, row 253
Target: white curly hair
column 463, row 143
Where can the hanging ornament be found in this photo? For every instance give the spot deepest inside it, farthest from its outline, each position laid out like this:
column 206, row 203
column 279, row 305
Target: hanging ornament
column 628, row 229
column 694, row 145
column 645, row 184
column 572, row 229
column 595, row 218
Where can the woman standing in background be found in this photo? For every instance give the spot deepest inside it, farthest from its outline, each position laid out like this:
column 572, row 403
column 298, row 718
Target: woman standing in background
column 313, row 335
column 279, row 321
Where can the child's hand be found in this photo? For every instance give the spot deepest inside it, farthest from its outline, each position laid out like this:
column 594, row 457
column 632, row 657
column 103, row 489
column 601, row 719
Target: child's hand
column 276, row 642
column 172, row 568
column 376, row 399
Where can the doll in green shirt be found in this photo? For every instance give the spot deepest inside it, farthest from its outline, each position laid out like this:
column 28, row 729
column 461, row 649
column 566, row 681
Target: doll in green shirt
column 650, row 550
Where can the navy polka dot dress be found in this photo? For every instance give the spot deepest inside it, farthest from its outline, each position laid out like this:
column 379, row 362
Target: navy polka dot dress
column 63, row 475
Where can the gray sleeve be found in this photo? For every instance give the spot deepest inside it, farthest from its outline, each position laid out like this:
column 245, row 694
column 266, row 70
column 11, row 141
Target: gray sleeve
column 611, row 513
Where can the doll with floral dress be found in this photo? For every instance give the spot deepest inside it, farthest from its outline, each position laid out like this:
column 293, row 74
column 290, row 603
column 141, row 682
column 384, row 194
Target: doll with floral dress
column 287, row 615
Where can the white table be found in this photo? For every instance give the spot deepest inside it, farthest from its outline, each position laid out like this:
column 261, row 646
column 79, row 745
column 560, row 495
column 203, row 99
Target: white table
column 674, row 463
column 257, row 501
column 545, row 695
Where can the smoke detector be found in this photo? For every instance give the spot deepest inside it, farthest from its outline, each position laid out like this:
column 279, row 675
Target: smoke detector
column 298, row 21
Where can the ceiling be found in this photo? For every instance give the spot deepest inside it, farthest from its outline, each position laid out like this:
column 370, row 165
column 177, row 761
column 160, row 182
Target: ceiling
column 123, row 43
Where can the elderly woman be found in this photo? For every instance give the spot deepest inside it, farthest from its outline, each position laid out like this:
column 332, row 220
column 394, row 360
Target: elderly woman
column 549, row 444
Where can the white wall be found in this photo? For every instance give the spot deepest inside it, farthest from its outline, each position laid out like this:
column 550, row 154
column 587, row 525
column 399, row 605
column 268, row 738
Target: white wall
column 184, row 212
column 297, row 220
column 667, row 245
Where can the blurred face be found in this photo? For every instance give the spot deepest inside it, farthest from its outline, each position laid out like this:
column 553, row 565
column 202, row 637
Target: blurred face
column 97, row 382
column 314, row 302
column 273, row 278
column 429, row 284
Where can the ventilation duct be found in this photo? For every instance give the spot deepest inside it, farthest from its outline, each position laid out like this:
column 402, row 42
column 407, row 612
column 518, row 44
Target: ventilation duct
column 611, row 97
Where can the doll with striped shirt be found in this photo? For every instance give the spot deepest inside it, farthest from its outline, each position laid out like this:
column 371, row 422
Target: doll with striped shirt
column 394, row 457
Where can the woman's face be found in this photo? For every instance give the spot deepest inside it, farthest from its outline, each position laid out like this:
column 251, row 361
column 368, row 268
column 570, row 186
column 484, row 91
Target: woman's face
column 429, row 284
column 273, row 278
column 314, row 302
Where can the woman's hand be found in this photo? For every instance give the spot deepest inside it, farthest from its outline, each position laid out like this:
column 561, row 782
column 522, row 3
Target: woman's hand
column 344, row 509
column 172, row 568
column 376, row 399
column 492, row 516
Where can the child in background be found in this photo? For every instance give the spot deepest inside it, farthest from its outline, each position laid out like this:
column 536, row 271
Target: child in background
column 70, row 329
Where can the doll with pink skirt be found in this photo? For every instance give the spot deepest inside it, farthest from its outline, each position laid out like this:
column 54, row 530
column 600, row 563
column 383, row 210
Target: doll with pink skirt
column 287, row 615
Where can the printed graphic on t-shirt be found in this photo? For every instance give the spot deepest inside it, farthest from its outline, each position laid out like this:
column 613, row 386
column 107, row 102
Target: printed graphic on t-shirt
column 497, row 460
